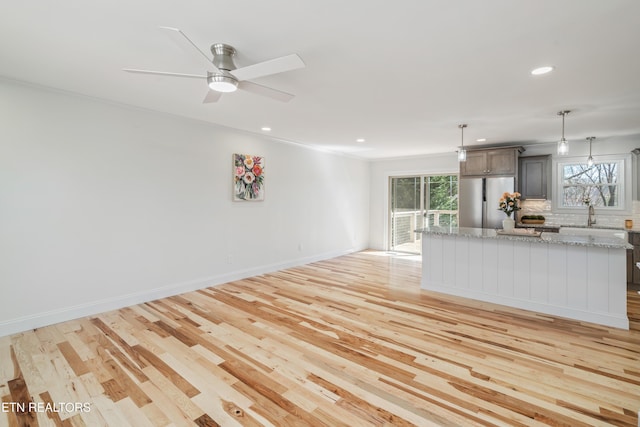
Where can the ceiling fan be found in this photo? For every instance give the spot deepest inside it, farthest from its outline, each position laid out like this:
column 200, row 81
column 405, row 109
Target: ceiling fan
column 225, row 77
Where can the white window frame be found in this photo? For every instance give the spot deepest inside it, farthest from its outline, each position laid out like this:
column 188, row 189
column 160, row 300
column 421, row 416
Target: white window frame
column 625, row 185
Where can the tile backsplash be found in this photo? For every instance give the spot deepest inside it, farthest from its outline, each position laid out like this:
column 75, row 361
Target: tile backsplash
column 543, row 207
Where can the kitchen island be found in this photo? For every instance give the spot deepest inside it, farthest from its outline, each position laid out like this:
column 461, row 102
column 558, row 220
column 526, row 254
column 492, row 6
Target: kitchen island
column 577, row 277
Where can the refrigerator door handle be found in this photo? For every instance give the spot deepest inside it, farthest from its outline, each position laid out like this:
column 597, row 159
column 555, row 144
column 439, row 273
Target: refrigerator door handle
column 484, row 214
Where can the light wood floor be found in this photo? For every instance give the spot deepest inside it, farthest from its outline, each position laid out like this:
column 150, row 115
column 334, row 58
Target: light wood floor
column 349, row 341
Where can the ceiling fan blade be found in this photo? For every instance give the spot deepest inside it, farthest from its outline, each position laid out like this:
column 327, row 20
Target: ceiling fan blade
column 212, row 96
column 164, row 73
column 278, row 95
column 181, row 40
column 272, row 66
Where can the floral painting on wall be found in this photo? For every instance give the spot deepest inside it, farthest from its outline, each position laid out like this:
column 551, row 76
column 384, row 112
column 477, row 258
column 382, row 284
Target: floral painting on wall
column 248, row 182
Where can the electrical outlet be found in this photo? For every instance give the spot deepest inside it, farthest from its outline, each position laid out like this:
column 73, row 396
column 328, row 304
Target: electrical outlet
column 300, row 247
column 229, row 259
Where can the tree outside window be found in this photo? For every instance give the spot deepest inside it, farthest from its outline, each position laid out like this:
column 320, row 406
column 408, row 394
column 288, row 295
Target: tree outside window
column 442, row 193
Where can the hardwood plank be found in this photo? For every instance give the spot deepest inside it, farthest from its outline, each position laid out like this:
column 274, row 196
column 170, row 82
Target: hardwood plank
column 20, row 396
column 167, row 405
column 74, row 360
column 155, row 415
column 188, row 389
column 11, row 416
column 205, row 420
column 53, row 415
column 176, row 397
column 119, row 341
column 130, row 411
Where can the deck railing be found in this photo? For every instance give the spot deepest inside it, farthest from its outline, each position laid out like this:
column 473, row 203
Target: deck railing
column 404, row 223
column 452, row 216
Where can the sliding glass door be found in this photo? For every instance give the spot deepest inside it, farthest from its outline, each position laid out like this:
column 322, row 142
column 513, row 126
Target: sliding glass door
column 417, row 202
column 406, row 213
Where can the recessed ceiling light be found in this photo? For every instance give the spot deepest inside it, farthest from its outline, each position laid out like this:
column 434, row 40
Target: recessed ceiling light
column 541, row 70
column 360, row 140
column 266, row 128
column 481, row 140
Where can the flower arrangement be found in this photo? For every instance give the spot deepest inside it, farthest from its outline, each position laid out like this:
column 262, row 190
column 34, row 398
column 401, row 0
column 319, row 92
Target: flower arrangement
column 248, row 177
column 509, row 203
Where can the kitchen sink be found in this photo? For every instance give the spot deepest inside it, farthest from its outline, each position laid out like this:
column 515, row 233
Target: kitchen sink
column 595, row 232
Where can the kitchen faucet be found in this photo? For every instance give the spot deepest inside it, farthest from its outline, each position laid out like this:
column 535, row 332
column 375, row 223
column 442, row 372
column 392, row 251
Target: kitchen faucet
column 591, row 217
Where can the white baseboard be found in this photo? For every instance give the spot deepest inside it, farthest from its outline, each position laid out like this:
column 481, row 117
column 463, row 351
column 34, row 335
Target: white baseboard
column 62, row 314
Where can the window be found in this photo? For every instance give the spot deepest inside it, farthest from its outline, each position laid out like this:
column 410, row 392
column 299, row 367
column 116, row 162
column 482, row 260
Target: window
column 601, row 185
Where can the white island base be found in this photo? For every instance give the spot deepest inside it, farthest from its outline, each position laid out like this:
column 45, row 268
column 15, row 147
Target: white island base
column 578, row 281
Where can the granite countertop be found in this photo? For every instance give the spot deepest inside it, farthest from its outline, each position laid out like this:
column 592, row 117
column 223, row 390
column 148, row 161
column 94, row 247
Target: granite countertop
column 553, row 238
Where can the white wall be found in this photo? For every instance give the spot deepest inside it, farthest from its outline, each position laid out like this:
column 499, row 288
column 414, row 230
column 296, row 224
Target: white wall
column 381, row 170
column 102, row 206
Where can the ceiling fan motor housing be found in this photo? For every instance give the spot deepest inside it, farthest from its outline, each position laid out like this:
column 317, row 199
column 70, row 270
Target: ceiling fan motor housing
column 223, row 81
column 223, row 56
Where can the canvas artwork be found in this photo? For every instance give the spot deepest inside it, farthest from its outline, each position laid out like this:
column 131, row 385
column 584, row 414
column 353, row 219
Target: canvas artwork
column 248, row 182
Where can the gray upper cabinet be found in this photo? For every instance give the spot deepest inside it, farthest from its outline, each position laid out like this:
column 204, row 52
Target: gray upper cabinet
column 534, row 177
column 491, row 162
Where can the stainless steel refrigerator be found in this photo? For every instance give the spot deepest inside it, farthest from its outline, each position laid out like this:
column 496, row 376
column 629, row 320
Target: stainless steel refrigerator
column 478, row 201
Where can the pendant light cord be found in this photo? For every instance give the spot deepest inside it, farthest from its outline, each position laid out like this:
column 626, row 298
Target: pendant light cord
column 563, row 113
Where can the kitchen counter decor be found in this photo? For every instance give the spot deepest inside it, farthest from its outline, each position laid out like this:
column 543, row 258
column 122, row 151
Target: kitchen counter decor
column 509, row 203
column 532, row 219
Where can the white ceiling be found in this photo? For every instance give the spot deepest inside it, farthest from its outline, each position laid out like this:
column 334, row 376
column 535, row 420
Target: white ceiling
column 400, row 74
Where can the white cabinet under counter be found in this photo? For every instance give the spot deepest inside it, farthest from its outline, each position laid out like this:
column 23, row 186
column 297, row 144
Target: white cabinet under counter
column 577, row 277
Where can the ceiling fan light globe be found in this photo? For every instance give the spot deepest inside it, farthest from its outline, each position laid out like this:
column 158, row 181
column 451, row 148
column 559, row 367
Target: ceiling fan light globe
column 223, row 87
column 222, row 83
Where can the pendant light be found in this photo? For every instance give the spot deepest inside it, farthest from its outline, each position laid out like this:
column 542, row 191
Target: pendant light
column 590, row 158
column 462, row 153
column 563, row 144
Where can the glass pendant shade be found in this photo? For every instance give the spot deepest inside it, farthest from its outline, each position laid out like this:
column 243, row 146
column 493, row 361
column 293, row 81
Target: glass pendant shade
column 462, row 153
column 590, row 158
column 563, row 147
column 563, row 144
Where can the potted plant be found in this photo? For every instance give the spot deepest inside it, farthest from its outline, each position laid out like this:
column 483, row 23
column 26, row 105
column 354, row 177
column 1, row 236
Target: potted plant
column 509, row 203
